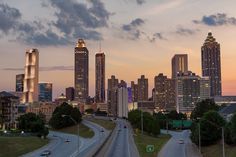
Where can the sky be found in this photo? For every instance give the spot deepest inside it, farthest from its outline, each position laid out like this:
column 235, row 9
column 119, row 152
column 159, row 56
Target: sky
column 138, row 37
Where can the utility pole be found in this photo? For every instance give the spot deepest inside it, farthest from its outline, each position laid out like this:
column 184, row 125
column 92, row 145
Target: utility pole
column 199, row 137
column 223, row 142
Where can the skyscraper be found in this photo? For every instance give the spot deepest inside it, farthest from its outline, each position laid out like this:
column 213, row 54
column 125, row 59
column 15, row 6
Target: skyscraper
column 142, row 88
column 100, row 77
column 179, row 64
column 134, row 88
column 45, row 92
column 81, row 71
column 70, row 93
column 112, row 95
column 211, row 64
column 164, row 92
column 31, row 76
column 122, row 102
column 20, row 82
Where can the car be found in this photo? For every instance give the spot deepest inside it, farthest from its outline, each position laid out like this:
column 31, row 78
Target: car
column 46, row 153
column 102, row 130
column 67, row 140
column 125, row 126
column 181, row 141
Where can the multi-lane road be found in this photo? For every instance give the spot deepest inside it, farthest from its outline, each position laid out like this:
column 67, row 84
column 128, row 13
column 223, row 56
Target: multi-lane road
column 179, row 145
column 122, row 143
column 66, row 145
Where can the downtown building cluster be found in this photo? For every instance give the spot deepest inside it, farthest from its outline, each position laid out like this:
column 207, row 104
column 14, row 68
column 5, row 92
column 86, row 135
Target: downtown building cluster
column 180, row 92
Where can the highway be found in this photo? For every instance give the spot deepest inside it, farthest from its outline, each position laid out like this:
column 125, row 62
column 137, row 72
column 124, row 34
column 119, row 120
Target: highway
column 60, row 148
column 122, row 144
column 179, row 145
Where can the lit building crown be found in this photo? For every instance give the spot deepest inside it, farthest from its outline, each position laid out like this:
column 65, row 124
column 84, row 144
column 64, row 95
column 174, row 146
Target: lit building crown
column 80, row 43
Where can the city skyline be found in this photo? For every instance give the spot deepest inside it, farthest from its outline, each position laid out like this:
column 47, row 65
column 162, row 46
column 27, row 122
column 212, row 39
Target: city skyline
column 139, row 56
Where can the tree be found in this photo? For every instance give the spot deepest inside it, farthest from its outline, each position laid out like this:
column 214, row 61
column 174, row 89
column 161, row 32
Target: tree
column 230, row 131
column 89, row 111
column 30, row 122
column 58, row 121
column 203, row 107
column 211, row 124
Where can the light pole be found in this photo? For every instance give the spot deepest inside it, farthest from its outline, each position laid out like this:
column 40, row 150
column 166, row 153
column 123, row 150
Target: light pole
column 199, row 137
column 142, row 117
column 223, row 137
column 64, row 115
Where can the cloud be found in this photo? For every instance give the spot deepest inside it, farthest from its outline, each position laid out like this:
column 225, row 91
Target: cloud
column 218, row 19
column 186, row 31
column 73, row 20
column 49, row 68
column 156, row 36
column 133, row 28
column 140, row 2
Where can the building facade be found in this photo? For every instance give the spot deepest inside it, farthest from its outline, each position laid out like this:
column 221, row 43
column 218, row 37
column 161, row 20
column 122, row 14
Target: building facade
column 70, row 91
column 211, row 64
column 134, row 88
column 142, row 88
column 164, row 93
column 179, row 64
column 205, row 88
column 45, row 92
column 81, row 72
column 112, row 95
column 8, row 110
column 31, row 76
column 122, row 95
column 100, row 77
column 20, row 82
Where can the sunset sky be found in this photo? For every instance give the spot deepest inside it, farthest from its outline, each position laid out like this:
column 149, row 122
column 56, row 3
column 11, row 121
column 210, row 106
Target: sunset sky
column 137, row 36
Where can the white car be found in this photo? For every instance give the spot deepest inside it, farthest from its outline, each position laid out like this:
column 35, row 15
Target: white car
column 181, row 141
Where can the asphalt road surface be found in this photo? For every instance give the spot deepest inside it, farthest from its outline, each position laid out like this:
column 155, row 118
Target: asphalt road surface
column 60, row 148
column 179, row 145
column 122, row 144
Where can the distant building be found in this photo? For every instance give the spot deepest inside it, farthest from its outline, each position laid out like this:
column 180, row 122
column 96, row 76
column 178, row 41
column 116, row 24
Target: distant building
column 31, row 76
column 134, row 88
column 45, row 92
column 211, row 64
column 205, row 88
column 81, row 71
column 100, row 77
column 112, row 95
column 164, row 93
column 130, row 95
column 70, row 91
column 146, row 106
column 122, row 94
column 228, row 111
column 220, row 100
column 122, row 84
column 142, row 88
column 61, row 99
column 19, row 95
column 187, row 92
column 8, row 110
column 179, row 64
column 20, row 82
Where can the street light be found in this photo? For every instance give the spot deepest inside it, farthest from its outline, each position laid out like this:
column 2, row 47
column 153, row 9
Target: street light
column 64, row 115
column 223, row 138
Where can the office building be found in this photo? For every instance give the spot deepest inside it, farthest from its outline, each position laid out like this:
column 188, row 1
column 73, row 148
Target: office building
column 164, row 93
column 31, row 76
column 8, row 110
column 112, row 95
column 179, row 64
column 204, row 88
column 211, row 64
column 45, row 92
column 20, row 82
column 81, row 71
column 70, row 93
column 122, row 102
column 142, row 88
column 100, row 77
column 134, row 88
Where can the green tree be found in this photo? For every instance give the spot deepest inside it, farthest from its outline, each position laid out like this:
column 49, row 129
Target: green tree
column 230, row 131
column 58, row 121
column 211, row 124
column 203, row 107
column 30, row 122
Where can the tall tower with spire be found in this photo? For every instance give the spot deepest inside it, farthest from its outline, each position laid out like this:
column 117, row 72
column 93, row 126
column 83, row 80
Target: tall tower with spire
column 211, row 64
column 81, row 73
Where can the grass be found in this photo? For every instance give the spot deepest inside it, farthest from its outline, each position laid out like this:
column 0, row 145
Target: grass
column 84, row 131
column 16, row 146
column 142, row 141
column 109, row 125
column 216, row 150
